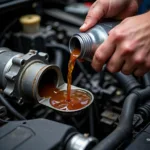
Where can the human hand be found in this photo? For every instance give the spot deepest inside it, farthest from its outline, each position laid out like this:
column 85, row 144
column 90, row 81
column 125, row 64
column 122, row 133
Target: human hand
column 109, row 8
column 127, row 48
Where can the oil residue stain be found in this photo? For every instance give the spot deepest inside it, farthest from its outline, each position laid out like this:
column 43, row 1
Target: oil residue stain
column 70, row 99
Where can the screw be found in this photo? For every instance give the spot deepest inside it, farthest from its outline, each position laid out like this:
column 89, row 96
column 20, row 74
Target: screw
column 20, row 101
column 148, row 139
column 86, row 135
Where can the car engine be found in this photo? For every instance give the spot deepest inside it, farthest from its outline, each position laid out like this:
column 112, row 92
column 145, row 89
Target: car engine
column 34, row 39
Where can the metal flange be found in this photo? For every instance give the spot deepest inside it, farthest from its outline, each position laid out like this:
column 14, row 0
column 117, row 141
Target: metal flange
column 17, row 69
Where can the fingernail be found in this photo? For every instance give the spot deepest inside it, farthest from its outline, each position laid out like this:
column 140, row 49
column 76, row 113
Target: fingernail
column 83, row 26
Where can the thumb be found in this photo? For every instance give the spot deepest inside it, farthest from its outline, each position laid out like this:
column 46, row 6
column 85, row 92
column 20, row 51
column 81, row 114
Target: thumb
column 95, row 13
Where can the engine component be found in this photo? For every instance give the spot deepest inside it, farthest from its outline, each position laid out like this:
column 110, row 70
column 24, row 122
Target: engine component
column 124, row 128
column 25, row 41
column 30, row 23
column 42, row 134
column 23, row 76
column 3, row 111
column 65, row 17
column 81, row 142
column 16, row 67
column 142, row 141
column 113, row 93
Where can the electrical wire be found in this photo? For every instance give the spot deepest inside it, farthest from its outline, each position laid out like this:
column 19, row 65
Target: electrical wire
column 11, row 108
column 58, row 46
column 91, row 121
column 7, row 29
column 3, row 121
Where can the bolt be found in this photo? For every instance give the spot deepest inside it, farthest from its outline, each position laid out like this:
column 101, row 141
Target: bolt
column 20, row 101
column 148, row 139
column 43, row 55
column 118, row 92
column 86, row 135
column 32, row 51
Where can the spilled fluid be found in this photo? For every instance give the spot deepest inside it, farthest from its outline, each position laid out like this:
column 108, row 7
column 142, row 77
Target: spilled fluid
column 70, row 99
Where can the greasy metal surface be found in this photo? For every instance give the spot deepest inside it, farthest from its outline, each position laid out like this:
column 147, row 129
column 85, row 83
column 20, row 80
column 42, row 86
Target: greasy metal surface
column 17, row 69
column 80, row 142
column 45, row 101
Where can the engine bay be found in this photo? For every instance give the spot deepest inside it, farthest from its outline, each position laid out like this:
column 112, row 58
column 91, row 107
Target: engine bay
column 118, row 115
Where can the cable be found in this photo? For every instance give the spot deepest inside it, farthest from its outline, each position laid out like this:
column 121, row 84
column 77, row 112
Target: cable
column 102, row 74
column 3, row 121
column 91, row 121
column 7, row 28
column 59, row 58
column 10, row 108
column 58, row 46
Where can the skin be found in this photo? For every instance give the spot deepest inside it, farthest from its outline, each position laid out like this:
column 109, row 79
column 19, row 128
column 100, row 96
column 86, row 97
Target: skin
column 127, row 48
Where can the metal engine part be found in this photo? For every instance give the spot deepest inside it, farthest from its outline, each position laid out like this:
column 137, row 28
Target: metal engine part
column 81, row 142
column 22, row 75
column 66, row 137
column 14, row 70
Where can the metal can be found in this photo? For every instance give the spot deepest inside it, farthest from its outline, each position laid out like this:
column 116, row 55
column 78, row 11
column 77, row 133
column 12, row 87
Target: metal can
column 88, row 42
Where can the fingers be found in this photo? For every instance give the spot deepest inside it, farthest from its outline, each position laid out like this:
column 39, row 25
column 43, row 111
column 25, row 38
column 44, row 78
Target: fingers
column 128, row 67
column 143, row 68
column 116, row 61
column 102, row 54
column 95, row 13
column 141, row 71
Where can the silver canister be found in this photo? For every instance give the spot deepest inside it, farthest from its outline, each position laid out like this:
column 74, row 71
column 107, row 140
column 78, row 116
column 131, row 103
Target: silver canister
column 88, row 42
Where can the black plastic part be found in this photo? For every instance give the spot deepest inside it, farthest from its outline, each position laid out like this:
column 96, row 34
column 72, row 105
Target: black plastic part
column 142, row 142
column 24, row 41
column 64, row 17
column 39, row 134
column 144, row 110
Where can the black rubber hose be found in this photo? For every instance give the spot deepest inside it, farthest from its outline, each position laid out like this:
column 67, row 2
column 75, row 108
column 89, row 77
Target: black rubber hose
column 128, row 82
column 91, row 121
column 58, row 46
column 10, row 108
column 59, row 58
column 147, row 79
column 144, row 94
column 102, row 74
column 144, row 111
column 124, row 129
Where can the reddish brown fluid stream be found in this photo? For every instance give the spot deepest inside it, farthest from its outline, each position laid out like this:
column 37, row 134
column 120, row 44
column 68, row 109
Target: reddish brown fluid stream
column 74, row 55
column 70, row 99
